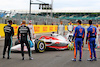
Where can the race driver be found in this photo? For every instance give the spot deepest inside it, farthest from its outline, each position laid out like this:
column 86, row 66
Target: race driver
column 24, row 31
column 98, row 36
column 9, row 32
column 91, row 36
column 31, row 28
column 61, row 29
column 70, row 27
column 79, row 37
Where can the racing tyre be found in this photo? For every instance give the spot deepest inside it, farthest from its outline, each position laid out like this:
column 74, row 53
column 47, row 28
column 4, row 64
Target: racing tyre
column 40, row 46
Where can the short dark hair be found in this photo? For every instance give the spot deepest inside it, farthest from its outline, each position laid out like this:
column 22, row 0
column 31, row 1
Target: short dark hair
column 9, row 21
column 24, row 21
column 90, row 22
column 79, row 21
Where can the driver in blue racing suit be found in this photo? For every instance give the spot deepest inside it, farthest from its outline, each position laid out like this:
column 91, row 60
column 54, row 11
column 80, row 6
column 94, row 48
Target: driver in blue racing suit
column 79, row 37
column 91, row 37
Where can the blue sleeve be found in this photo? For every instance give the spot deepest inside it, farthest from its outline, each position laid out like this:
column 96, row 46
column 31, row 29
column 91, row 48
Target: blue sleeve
column 96, row 30
column 84, row 32
column 75, row 32
column 87, row 32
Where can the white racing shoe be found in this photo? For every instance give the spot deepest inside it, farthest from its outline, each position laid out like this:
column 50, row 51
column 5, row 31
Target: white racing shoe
column 30, row 58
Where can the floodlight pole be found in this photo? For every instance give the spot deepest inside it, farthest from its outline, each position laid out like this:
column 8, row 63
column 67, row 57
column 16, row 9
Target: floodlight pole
column 51, row 11
column 30, row 11
column 38, row 4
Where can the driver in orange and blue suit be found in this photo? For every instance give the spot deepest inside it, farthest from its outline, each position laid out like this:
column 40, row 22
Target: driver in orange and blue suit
column 79, row 37
column 91, row 37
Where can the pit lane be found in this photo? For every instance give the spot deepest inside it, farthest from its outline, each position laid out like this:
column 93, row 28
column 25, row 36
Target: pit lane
column 48, row 58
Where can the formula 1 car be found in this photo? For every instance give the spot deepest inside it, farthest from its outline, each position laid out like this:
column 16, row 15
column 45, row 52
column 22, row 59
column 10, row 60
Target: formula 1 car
column 55, row 41
column 69, row 36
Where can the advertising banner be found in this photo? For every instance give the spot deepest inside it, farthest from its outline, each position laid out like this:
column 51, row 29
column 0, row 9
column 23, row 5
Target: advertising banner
column 37, row 28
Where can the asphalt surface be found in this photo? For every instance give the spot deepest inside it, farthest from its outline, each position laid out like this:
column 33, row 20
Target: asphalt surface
column 49, row 58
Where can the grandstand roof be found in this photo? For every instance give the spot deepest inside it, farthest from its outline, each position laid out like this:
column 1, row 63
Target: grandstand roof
column 59, row 11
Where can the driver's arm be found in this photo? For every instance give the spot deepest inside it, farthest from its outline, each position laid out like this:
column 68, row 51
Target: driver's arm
column 75, row 33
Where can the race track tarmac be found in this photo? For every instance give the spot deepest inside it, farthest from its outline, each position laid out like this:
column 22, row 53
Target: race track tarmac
column 48, row 59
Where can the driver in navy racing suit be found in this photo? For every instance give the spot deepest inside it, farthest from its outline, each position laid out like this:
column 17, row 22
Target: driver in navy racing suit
column 9, row 32
column 24, row 31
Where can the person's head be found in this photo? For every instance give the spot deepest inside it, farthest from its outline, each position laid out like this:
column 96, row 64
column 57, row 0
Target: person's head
column 61, row 22
column 90, row 22
column 70, row 23
column 23, row 22
column 10, row 22
column 30, row 22
column 79, row 22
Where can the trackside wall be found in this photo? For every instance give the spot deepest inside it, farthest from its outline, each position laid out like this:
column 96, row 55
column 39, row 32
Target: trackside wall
column 37, row 28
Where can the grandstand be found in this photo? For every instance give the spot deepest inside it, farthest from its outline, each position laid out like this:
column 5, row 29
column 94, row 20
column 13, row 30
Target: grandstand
column 6, row 15
column 68, row 15
column 44, row 16
column 2, row 15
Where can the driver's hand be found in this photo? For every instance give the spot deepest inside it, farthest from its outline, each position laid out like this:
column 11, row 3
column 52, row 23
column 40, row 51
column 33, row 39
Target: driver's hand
column 19, row 41
column 64, row 33
column 31, row 39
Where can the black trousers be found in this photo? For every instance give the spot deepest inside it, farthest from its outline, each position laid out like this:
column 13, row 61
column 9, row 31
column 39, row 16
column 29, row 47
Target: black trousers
column 28, row 47
column 7, row 43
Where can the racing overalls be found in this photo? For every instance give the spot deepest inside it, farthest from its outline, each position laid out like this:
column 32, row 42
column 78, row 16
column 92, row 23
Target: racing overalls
column 9, row 32
column 61, row 29
column 79, row 37
column 91, row 36
column 70, row 28
column 31, row 29
column 98, row 37
column 24, row 31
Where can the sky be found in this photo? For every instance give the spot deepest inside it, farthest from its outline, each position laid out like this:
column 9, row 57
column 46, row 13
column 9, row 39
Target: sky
column 57, row 4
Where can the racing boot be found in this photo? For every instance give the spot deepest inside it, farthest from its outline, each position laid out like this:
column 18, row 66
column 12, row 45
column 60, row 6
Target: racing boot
column 90, row 59
column 30, row 58
column 74, row 59
column 3, row 56
column 23, row 58
column 95, row 59
column 80, row 59
column 8, row 58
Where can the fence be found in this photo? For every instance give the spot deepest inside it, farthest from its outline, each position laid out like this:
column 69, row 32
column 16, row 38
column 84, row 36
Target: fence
column 37, row 20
